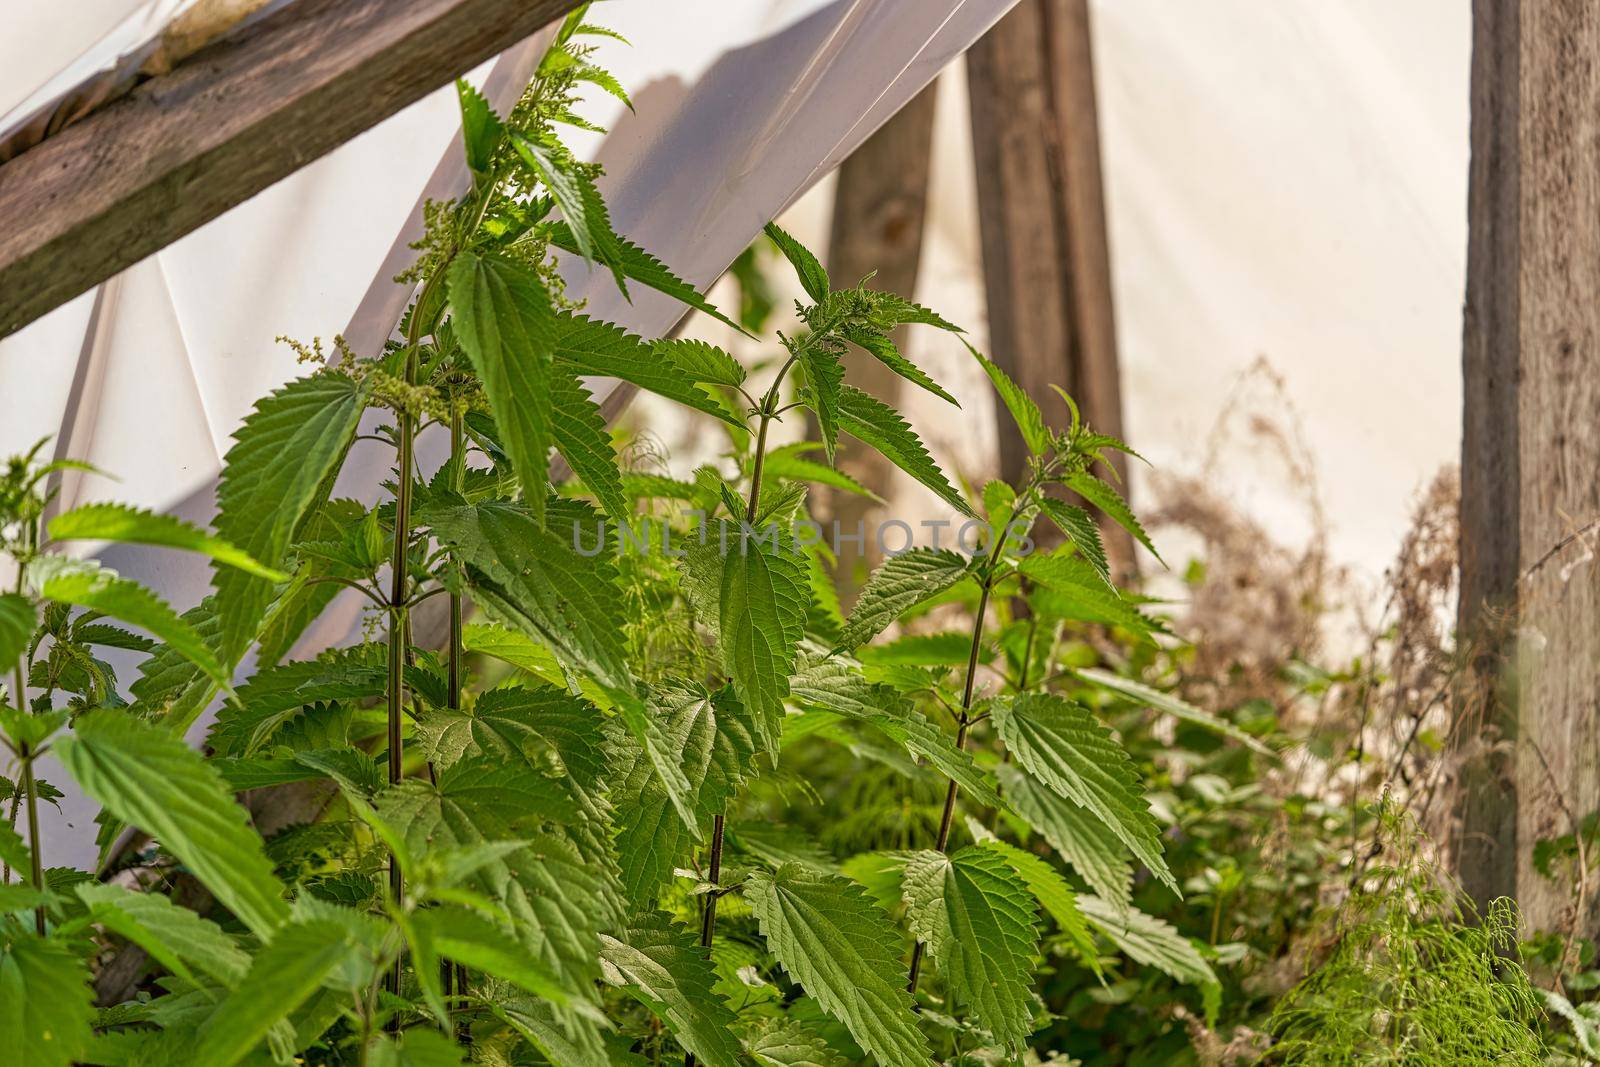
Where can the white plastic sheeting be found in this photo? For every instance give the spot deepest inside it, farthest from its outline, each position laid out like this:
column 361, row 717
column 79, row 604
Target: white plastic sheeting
column 148, row 376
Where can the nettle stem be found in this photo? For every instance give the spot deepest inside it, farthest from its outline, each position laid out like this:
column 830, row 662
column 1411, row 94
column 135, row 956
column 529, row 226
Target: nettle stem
column 398, row 610
column 453, row 977
column 30, row 788
column 768, row 411
column 986, row 586
column 708, row 922
column 31, row 791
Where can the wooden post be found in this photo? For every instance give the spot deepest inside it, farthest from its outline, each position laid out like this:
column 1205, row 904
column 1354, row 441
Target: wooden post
column 878, row 210
column 1530, row 456
column 1046, row 262
column 181, row 149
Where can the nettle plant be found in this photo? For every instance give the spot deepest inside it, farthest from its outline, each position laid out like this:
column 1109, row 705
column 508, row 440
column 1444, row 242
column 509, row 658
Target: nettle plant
column 571, row 835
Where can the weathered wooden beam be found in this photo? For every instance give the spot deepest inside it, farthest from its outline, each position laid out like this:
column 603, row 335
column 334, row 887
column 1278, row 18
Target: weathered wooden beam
column 879, row 206
column 1529, row 615
column 1041, row 211
column 181, row 149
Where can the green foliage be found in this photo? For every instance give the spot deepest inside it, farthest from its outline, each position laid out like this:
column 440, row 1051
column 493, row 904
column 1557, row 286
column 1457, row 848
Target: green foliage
column 283, row 976
column 976, row 915
column 1024, row 412
column 663, row 967
column 762, row 604
column 45, row 1003
column 646, row 798
column 89, row 585
column 900, row 584
column 261, row 500
column 836, row 944
column 152, row 780
column 117, row 522
column 502, row 314
column 1066, row 750
column 17, row 623
column 1414, row 977
column 175, row 936
column 876, row 424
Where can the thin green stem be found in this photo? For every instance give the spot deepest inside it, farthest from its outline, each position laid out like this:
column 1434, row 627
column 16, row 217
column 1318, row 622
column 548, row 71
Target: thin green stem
column 985, row 585
column 11, row 820
column 454, row 977
column 708, row 920
column 30, row 789
column 398, row 563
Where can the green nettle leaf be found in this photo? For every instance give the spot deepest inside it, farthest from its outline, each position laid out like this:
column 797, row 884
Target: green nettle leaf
column 712, row 738
column 417, row 1047
column 1053, row 894
column 789, row 462
column 810, row 271
column 1081, row 531
column 15, row 899
column 1103, row 496
column 503, row 317
column 976, row 916
column 555, row 168
column 513, row 647
column 547, row 729
column 13, row 853
column 481, row 129
column 89, row 585
column 588, row 347
column 467, row 937
column 174, row 936
column 581, row 435
column 701, row 361
column 841, row 947
column 662, row 758
column 898, row 585
column 151, row 779
column 947, row 649
column 565, row 1037
column 879, row 426
column 898, row 311
column 128, row 525
column 835, row 686
column 1170, row 704
column 883, row 348
column 762, row 619
column 17, row 622
column 1066, row 748
column 791, row 1045
column 276, row 696
column 664, row 969
column 534, row 579
column 1024, row 412
column 881, row 874
column 1073, row 589
column 824, row 376
column 1148, row 940
column 46, row 1004
column 638, row 265
column 1077, row 836
column 557, row 898
column 284, row 975
column 279, row 466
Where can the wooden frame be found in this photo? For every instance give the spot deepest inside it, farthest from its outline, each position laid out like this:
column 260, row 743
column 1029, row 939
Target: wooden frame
column 1046, row 256
column 234, row 118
